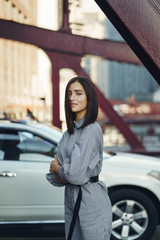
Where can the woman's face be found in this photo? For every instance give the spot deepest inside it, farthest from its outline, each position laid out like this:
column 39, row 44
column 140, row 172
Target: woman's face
column 78, row 99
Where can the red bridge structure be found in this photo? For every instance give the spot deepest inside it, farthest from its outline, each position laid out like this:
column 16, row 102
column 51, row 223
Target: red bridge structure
column 140, row 31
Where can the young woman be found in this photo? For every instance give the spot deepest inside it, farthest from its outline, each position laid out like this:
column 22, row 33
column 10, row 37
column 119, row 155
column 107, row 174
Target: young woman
column 78, row 164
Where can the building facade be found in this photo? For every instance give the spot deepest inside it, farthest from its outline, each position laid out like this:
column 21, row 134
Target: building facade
column 124, row 80
column 18, row 63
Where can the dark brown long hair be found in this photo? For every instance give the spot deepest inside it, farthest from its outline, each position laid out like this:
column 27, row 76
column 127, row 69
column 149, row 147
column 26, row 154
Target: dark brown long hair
column 92, row 103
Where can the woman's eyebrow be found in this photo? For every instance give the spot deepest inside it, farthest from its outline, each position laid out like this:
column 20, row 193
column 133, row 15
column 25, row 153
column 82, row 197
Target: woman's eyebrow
column 78, row 90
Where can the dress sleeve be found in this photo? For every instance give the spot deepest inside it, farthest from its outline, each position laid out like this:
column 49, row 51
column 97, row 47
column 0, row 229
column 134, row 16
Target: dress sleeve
column 86, row 154
column 52, row 180
column 50, row 176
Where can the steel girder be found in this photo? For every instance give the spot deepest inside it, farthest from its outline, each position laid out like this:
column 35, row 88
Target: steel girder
column 65, row 42
column 138, row 22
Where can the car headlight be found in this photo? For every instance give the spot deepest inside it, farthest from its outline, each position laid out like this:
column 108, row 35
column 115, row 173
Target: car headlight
column 155, row 174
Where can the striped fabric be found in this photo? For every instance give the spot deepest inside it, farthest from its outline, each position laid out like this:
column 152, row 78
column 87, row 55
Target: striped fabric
column 80, row 155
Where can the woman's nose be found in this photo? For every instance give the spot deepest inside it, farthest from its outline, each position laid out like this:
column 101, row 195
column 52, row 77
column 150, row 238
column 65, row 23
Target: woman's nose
column 72, row 96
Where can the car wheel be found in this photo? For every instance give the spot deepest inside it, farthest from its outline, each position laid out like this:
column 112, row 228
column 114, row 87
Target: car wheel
column 134, row 215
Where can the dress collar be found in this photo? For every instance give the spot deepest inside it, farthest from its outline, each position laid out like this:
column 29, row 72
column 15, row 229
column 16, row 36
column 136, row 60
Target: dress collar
column 79, row 123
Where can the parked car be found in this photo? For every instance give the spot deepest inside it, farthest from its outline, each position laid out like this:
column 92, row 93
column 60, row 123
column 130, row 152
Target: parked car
column 26, row 151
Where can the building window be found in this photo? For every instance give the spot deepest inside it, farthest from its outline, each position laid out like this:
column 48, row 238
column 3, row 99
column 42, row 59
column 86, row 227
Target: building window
column 13, row 12
column 5, row 5
column 6, row 75
column 5, row 52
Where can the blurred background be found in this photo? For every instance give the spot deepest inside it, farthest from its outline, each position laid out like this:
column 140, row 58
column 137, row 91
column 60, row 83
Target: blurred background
column 26, row 73
column 32, row 85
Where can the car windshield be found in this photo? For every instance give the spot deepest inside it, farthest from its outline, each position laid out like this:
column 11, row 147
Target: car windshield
column 48, row 129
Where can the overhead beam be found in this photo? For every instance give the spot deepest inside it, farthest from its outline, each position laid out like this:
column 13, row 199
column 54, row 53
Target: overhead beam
column 65, row 42
column 138, row 22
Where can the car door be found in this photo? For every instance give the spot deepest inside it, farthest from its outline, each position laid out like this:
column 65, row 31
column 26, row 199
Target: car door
column 25, row 193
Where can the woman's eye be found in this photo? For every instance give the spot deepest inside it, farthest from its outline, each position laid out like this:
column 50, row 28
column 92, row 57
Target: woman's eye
column 78, row 93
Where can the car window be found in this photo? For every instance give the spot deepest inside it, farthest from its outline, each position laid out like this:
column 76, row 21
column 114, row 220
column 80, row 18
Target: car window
column 9, row 139
column 25, row 146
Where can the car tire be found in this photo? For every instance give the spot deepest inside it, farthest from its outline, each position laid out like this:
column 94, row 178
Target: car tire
column 134, row 215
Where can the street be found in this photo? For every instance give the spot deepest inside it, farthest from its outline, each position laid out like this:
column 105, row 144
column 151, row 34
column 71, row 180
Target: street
column 157, row 234
column 47, row 234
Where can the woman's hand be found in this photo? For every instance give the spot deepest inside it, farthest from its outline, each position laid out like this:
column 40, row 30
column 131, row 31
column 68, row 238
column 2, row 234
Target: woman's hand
column 55, row 166
column 59, row 179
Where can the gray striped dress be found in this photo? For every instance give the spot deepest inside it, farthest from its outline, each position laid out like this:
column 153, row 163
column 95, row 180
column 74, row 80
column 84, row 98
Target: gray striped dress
column 80, row 155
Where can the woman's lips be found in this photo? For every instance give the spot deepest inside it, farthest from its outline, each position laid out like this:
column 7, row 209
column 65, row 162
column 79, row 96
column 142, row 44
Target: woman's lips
column 73, row 104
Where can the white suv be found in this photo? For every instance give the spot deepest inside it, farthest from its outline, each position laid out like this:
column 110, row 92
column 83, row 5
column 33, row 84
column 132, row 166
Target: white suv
column 26, row 151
